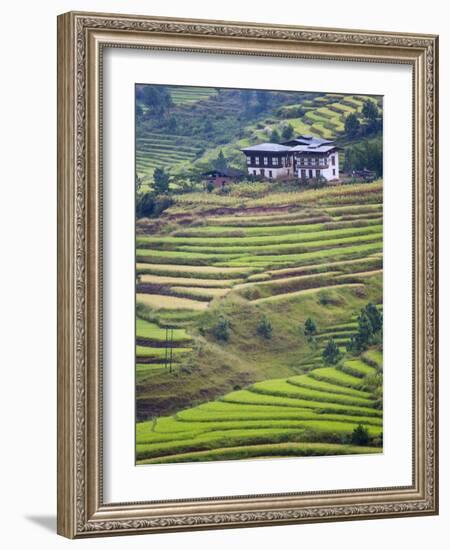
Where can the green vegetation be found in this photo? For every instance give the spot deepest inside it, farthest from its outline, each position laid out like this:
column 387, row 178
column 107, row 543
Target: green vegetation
column 298, row 409
column 310, row 327
column 259, row 318
column 331, row 353
column 265, row 328
column 185, row 129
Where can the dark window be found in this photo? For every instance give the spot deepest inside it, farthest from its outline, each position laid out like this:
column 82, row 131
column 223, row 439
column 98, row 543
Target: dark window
column 310, row 173
column 334, row 171
column 333, row 160
column 303, row 174
column 262, row 171
column 270, row 173
column 317, row 173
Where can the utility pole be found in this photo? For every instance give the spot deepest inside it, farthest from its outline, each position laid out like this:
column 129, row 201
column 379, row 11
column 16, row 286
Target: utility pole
column 171, row 349
column 166, row 353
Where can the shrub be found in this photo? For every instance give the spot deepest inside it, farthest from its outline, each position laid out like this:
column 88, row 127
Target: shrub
column 265, row 328
column 148, row 205
column 329, row 298
column 288, row 131
column 145, row 205
column 162, row 203
column 360, row 435
column 221, row 330
column 310, row 328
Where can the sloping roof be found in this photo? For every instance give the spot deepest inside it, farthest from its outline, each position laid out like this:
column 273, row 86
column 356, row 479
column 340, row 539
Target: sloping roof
column 225, row 172
column 275, row 147
column 310, row 141
column 304, row 144
column 313, row 149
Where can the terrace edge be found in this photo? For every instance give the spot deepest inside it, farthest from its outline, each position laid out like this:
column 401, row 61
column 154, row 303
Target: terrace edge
column 81, row 511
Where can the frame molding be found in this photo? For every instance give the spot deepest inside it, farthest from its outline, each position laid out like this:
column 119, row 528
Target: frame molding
column 81, row 37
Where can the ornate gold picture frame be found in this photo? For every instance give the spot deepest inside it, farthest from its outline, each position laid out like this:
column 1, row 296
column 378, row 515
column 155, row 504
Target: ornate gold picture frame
column 82, row 39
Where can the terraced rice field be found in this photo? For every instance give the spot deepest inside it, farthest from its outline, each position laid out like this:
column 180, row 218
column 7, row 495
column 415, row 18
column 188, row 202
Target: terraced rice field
column 189, row 267
column 271, row 418
column 247, row 398
column 155, row 150
column 190, row 94
column 323, row 117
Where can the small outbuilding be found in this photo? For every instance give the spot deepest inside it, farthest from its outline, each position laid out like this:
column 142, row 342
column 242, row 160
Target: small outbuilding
column 364, row 174
column 219, row 178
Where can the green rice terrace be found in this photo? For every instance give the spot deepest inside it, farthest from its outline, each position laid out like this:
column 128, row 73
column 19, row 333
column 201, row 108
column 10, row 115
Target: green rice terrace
column 204, row 121
column 251, row 306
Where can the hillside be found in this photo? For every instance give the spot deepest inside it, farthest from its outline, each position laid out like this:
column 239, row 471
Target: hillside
column 210, row 269
column 201, row 122
column 228, row 279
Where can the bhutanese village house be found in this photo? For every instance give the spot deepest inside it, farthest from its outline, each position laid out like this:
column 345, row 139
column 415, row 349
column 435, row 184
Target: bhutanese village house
column 304, row 157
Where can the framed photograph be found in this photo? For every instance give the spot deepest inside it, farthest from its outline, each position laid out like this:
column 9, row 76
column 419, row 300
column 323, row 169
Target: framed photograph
column 247, row 283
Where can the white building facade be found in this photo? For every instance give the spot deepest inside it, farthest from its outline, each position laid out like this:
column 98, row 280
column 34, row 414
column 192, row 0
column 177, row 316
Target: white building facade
column 269, row 160
column 305, row 157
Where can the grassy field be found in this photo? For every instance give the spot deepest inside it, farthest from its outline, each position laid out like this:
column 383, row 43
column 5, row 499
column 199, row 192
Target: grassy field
column 205, row 392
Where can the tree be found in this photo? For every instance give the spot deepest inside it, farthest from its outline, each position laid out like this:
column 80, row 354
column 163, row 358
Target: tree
column 370, row 325
column 372, row 117
column 246, row 97
column 160, row 181
column 375, row 317
column 172, row 124
column 220, row 163
column 310, row 328
column 370, row 110
column 368, row 154
column 157, row 99
column 288, row 131
column 360, row 435
column 208, row 126
column 221, row 329
column 365, row 330
column 265, row 328
column 263, row 99
column 331, row 353
column 274, row 136
column 352, row 125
